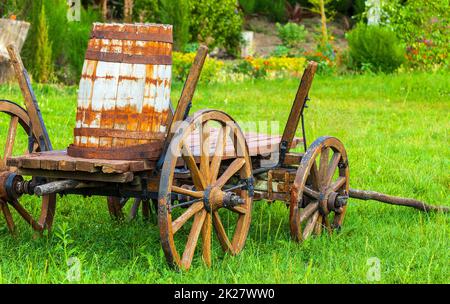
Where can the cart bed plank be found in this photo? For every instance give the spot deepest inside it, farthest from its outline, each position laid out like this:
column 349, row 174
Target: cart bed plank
column 259, row 144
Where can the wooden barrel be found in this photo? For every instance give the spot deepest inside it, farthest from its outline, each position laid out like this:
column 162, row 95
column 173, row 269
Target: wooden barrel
column 11, row 31
column 124, row 92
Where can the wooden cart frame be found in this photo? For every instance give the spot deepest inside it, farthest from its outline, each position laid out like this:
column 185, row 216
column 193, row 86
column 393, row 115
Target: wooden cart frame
column 206, row 179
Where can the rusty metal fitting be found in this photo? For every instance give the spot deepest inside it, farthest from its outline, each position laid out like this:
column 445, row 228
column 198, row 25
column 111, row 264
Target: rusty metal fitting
column 331, row 202
column 12, row 186
column 231, row 199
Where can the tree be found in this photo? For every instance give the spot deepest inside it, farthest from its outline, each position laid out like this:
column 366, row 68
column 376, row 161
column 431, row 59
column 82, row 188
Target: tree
column 177, row 13
column 319, row 6
column 104, row 6
column 43, row 65
column 128, row 10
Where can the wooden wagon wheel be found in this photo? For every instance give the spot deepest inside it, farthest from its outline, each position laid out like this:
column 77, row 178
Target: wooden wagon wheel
column 19, row 117
column 218, row 193
column 320, row 190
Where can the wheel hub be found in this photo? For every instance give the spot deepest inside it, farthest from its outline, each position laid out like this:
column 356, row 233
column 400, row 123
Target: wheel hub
column 12, row 186
column 214, row 198
column 332, row 201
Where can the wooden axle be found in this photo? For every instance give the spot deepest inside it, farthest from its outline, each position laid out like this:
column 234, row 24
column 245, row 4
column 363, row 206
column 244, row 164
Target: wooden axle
column 62, row 185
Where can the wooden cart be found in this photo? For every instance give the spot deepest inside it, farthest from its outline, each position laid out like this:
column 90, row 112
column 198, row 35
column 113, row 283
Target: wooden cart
column 199, row 172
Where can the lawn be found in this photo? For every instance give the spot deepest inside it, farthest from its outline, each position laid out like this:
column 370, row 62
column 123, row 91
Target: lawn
column 395, row 129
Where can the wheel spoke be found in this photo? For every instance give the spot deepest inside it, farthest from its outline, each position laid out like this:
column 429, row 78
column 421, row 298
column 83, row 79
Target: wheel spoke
column 221, row 234
column 323, row 165
column 187, row 192
column 204, row 150
column 8, row 216
column 192, row 240
column 314, row 176
column 308, row 211
column 197, row 176
column 10, row 139
column 310, row 224
column 339, row 217
column 26, row 216
column 332, row 168
column 182, row 219
column 206, row 240
column 218, row 154
column 327, row 225
column 318, row 226
column 234, row 167
column 311, row 193
column 238, row 209
column 335, row 186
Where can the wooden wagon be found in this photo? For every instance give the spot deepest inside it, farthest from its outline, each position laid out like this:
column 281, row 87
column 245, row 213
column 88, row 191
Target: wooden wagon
column 199, row 172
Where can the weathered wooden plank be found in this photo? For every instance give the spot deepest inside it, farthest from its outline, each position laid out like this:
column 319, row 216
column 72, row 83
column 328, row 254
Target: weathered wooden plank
column 59, row 160
column 299, row 103
column 125, row 177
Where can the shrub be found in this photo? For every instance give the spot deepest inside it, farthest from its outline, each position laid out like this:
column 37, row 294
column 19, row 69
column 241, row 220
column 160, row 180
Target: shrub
column 424, row 25
column 291, row 34
column 43, row 71
column 182, row 62
column 68, row 39
column 248, row 6
column 146, row 10
column 71, row 56
column 217, row 23
column 281, row 51
column 375, row 46
column 273, row 67
column 325, row 56
column 177, row 13
column 274, row 9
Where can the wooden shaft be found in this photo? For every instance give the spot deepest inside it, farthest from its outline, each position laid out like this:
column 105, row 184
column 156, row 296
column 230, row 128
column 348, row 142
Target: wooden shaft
column 299, row 104
column 55, row 187
column 188, row 90
column 62, row 185
column 30, row 99
column 395, row 200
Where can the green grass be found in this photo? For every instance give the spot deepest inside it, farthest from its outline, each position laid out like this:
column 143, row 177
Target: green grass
column 395, row 130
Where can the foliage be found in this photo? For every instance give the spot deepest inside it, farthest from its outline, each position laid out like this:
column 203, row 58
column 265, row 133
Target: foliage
column 177, row 13
column 282, row 51
column 216, row 70
column 326, row 58
column 43, row 69
column 274, row 9
column 146, row 10
column 248, row 6
column 217, row 23
column 424, row 25
column 291, row 34
column 376, row 48
column 68, row 39
column 276, row 66
column 76, row 37
column 182, row 62
column 191, row 47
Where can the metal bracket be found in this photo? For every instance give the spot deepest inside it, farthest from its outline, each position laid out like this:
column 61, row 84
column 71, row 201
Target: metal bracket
column 283, row 150
column 206, row 199
column 343, row 165
column 249, row 185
